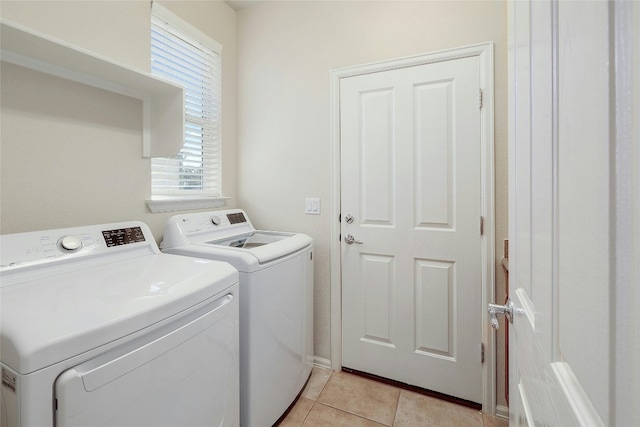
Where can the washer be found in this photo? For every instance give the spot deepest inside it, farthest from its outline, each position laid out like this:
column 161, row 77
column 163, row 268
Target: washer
column 276, row 304
column 100, row 328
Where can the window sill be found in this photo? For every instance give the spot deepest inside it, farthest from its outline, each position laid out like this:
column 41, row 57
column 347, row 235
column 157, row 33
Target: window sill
column 184, row 203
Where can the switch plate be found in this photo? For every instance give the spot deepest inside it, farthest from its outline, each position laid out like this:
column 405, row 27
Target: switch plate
column 312, row 206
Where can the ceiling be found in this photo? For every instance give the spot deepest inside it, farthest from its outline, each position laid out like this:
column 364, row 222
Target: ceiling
column 242, row 4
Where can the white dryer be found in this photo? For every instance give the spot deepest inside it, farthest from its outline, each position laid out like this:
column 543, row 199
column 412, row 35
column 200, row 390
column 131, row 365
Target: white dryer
column 276, row 304
column 99, row 328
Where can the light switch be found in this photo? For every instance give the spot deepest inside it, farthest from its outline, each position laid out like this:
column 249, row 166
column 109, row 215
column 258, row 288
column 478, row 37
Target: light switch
column 312, row 206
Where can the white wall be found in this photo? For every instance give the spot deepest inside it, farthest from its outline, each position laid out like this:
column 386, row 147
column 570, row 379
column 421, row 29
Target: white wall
column 70, row 154
column 286, row 50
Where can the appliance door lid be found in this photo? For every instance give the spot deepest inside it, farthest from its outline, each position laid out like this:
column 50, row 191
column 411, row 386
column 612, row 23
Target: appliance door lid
column 252, row 239
column 47, row 320
column 266, row 246
column 185, row 373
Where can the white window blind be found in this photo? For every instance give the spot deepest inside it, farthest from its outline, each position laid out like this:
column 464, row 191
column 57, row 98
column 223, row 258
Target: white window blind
column 186, row 60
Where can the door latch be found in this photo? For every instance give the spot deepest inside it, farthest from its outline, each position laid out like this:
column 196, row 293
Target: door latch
column 350, row 240
column 495, row 309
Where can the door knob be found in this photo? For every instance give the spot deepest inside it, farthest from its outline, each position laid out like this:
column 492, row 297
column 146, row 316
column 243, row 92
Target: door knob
column 495, row 309
column 350, row 240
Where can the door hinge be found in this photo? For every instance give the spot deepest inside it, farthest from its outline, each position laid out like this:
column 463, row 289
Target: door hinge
column 481, row 352
column 482, row 226
column 480, row 99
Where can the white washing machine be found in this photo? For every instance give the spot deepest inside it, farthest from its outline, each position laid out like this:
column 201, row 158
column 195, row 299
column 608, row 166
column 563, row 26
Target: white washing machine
column 276, row 304
column 99, row 328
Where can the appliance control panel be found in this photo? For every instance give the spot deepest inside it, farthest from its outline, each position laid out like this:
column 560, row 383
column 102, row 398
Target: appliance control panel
column 197, row 223
column 123, row 236
column 37, row 247
column 236, row 218
column 201, row 227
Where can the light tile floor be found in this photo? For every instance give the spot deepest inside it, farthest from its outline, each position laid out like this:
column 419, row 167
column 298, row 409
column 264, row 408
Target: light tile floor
column 340, row 399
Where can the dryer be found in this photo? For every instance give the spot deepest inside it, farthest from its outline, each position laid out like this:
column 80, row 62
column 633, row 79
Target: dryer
column 100, row 328
column 276, row 303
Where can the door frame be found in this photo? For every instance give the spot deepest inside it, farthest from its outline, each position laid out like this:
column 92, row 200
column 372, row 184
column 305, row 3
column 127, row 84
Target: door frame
column 484, row 52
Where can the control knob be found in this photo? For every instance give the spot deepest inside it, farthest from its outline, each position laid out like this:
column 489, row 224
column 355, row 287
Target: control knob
column 215, row 220
column 71, row 243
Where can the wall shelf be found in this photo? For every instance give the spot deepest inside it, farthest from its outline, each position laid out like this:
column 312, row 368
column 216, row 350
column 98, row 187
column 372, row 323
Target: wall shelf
column 162, row 101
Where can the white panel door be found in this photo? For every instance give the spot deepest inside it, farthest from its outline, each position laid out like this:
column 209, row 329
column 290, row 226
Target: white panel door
column 411, row 180
column 560, row 181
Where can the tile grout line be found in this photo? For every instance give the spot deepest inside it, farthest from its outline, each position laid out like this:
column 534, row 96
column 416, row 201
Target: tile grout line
column 395, row 413
column 358, row 415
column 324, row 385
column 307, row 415
column 315, row 401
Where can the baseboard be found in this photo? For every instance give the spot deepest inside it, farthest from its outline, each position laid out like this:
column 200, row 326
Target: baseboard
column 322, row 362
column 502, row 412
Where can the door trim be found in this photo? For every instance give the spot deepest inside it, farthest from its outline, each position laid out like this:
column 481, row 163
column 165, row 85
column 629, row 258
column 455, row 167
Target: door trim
column 484, row 52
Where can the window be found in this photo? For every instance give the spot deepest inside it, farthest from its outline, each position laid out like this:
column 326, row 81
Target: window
column 185, row 56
